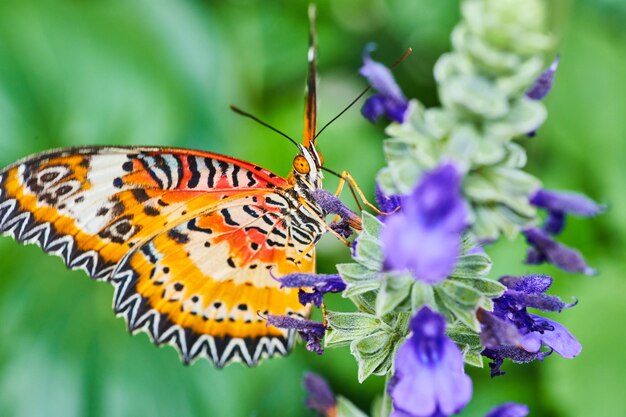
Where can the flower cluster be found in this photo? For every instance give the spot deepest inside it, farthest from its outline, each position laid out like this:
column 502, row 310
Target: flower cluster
column 454, row 183
column 510, row 331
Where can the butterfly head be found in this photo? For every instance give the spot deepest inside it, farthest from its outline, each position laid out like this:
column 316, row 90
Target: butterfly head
column 307, row 166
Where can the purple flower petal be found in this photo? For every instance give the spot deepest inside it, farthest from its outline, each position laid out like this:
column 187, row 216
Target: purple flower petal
column 567, row 259
column 509, row 410
column 424, row 236
column 374, row 107
column 429, row 378
column 379, row 76
column 530, row 284
column 554, row 223
column 531, row 342
column 321, row 397
column 566, row 202
column 541, row 302
column 389, row 100
column 543, row 84
column 559, row 339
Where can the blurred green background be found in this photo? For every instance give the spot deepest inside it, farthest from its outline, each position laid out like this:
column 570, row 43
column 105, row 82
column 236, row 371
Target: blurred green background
column 163, row 73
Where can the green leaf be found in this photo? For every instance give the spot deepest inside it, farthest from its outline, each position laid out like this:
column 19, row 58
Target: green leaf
column 466, row 314
column 471, row 266
column 359, row 278
column 371, row 225
column 365, row 302
column 347, row 327
column 346, row 409
column 373, row 354
column 463, row 335
column 369, row 252
column 422, row 294
column 473, row 358
column 487, row 287
column 460, row 292
column 487, row 304
column 394, row 290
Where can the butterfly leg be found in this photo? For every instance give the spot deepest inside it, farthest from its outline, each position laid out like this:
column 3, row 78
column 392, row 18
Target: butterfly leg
column 346, row 178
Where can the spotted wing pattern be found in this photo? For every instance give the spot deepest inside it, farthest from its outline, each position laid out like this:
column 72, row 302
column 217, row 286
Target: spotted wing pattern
column 189, row 240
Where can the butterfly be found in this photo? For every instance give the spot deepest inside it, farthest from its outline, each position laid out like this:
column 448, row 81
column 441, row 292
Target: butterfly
column 190, row 240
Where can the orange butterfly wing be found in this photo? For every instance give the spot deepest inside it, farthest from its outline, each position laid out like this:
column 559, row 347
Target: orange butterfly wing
column 188, row 239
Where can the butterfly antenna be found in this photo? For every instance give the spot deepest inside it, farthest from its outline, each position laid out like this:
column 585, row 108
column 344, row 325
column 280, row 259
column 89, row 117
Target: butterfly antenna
column 261, row 122
column 353, row 102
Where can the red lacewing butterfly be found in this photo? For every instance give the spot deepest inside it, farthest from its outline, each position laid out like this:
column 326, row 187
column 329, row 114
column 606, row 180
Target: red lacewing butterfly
column 189, row 239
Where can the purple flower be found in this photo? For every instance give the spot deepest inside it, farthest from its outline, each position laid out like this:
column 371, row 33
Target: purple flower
column 386, row 203
column 511, row 332
column 424, row 236
column 560, row 203
column 545, row 249
column 319, row 283
column 389, row 99
column 321, row 397
column 312, row 332
column 429, row 379
column 543, row 84
column 509, row 410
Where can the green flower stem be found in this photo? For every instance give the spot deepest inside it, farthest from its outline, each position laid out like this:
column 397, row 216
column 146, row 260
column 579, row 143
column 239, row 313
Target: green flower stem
column 385, row 402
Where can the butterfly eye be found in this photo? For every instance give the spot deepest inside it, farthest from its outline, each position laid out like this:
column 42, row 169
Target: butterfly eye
column 301, row 165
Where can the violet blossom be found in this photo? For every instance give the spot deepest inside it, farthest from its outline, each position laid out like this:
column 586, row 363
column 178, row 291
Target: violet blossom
column 319, row 285
column 533, row 332
column 389, row 99
column 429, row 379
column 424, row 237
column 312, row 332
column 545, row 249
column 560, row 203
